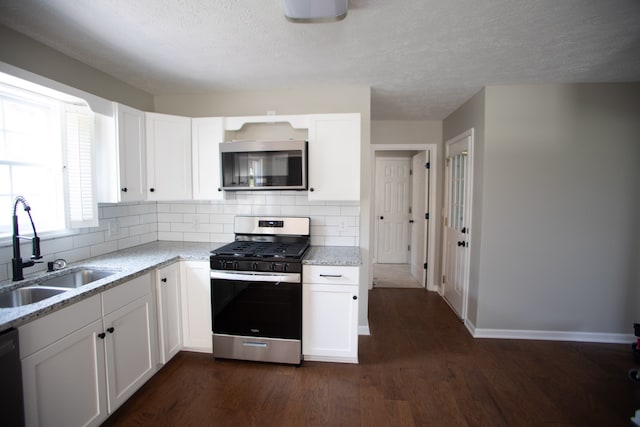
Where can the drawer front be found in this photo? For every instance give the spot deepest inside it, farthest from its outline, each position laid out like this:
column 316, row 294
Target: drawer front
column 331, row 274
column 125, row 293
column 53, row 327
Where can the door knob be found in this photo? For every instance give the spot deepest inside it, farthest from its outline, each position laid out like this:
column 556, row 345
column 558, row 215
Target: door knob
column 110, row 330
column 463, row 244
column 124, row 190
column 163, row 280
column 381, row 217
column 152, row 189
column 410, row 221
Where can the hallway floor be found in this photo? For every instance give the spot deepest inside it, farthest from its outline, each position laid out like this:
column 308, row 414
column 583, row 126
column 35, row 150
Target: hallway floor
column 394, row 276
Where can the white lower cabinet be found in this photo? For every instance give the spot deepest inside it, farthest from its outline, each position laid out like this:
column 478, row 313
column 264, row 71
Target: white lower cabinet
column 196, row 306
column 330, row 313
column 169, row 312
column 64, row 383
column 80, row 363
column 130, row 349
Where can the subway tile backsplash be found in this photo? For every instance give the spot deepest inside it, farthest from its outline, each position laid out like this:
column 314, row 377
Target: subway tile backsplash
column 129, row 224
column 333, row 223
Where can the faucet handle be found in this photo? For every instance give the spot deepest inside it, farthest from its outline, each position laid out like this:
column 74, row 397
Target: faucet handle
column 35, row 242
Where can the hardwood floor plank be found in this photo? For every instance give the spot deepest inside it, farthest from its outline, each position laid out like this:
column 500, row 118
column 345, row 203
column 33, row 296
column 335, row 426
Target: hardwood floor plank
column 420, row 367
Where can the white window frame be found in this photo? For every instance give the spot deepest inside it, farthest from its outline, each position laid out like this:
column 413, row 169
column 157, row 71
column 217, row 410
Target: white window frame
column 78, row 155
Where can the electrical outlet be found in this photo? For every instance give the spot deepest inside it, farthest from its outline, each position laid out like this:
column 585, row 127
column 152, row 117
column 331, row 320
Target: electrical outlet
column 113, row 228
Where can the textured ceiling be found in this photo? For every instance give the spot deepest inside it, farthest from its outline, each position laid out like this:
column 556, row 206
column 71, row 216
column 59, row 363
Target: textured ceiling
column 422, row 58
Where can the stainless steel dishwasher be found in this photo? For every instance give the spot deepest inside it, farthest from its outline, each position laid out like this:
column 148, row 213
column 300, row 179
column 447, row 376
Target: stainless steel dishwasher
column 12, row 412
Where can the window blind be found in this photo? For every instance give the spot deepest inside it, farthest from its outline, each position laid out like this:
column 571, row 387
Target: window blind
column 79, row 167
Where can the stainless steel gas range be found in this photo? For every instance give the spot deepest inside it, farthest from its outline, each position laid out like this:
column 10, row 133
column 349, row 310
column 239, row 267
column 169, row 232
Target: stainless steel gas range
column 256, row 290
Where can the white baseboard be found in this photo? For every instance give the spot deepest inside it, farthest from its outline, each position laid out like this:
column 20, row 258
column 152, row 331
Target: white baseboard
column 364, row 330
column 523, row 334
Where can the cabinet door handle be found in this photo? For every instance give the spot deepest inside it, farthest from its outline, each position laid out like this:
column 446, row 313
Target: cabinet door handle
column 163, row 280
column 331, row 275
column 355, row 297
column 124, row 190
column 311, row 189
column 152, row 189
column 101, row 335
column 110, row 330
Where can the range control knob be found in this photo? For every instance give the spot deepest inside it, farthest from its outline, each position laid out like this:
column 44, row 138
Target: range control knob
column 279, row 267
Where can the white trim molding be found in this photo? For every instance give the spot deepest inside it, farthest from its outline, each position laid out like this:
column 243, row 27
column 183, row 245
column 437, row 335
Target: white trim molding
column 575, row 336
column 364, row 330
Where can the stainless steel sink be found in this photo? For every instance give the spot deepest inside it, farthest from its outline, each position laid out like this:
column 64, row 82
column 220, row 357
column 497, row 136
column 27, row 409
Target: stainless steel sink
column 27, row 295
column 77, row 278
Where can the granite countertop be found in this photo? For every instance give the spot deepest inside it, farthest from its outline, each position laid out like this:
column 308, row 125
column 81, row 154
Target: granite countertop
column 333, row 255
column 126, row 264
column 130, row 263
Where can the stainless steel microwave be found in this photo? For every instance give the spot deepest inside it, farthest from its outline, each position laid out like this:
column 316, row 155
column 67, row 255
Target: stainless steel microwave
column 264, row 165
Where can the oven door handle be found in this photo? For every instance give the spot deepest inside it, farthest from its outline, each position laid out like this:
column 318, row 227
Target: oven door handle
column 256, row 276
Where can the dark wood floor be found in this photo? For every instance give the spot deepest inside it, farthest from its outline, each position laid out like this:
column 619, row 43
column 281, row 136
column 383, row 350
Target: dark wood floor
column 419, row 367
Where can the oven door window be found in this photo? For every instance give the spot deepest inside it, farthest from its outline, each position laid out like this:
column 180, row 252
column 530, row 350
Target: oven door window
column 260, row 309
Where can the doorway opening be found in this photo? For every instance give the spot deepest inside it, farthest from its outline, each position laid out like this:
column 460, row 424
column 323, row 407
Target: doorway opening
column 403, row 193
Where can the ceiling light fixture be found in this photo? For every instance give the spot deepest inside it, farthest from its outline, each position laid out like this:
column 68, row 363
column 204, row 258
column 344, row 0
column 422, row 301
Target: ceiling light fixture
column 301, row 11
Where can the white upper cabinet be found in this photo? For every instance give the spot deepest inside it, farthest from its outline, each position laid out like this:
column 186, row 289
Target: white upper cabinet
column 121, row 161
column 334, row 157
column 168, row 157
column 206, row 135
column 130, row 125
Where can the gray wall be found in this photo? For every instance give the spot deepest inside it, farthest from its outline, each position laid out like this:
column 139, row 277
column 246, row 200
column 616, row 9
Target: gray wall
column 406, row 132
column 23, row 52
column 560, row 202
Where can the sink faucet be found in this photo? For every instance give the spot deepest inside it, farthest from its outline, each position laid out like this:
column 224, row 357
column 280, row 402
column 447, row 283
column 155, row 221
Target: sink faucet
column 17, row 263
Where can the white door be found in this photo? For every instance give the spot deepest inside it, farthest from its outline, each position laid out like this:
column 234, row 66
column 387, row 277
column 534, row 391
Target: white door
column 457, row 221
column 130, row 349
column 419, row 224
column 169, row 312
column 392, row 199
column 64, row 383
column 334, row 157
column 206, row 135
column 196, row 306
column 168, row 157
column 330, row 322
column 133, row 158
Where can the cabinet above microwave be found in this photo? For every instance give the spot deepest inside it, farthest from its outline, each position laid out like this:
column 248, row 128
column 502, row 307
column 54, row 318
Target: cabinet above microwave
column 264, row 165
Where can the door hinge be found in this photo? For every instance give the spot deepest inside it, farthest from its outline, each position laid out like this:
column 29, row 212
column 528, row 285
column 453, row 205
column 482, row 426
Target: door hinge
column 409, row 247
column 444, row 279
column 427, row 165
column 410, row 172
column 425, row 265
column 426, row 216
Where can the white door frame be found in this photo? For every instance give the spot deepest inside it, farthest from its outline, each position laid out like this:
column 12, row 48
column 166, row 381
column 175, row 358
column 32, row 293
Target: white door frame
column 430, row 196
column 468, row 215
